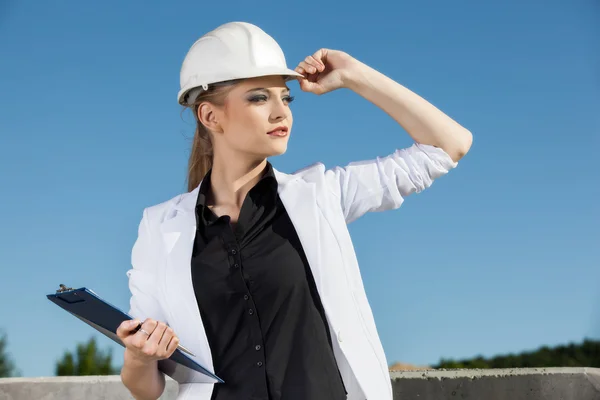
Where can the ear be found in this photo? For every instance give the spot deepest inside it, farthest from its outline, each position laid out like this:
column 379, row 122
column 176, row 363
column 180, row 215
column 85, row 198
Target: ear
column 208, row 115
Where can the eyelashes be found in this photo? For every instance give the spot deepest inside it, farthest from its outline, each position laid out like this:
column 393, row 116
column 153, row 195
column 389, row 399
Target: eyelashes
column 256, row 99
column 260, row 98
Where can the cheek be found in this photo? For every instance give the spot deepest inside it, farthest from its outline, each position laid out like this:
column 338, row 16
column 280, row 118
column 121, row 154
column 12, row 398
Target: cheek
column 251, row 120
column 246, row 127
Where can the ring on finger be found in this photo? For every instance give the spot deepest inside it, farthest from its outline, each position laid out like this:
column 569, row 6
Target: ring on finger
column 144, row 332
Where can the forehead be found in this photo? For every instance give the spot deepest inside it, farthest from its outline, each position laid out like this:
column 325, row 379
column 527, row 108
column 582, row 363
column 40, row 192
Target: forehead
column 266, row 82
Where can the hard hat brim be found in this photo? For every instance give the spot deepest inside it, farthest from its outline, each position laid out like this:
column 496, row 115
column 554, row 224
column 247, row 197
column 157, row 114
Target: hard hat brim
column 286, row 72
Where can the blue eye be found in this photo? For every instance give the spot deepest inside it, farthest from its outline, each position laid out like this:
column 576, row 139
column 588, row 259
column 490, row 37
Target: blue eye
column 256, row 99
column 261, row 98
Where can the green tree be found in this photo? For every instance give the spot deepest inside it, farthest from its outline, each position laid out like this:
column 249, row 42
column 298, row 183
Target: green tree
column 87, row 360
column 7, row 366
column 586, row 354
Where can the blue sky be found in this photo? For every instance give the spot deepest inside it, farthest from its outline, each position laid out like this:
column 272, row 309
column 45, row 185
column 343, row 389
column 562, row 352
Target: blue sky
column 499, row 256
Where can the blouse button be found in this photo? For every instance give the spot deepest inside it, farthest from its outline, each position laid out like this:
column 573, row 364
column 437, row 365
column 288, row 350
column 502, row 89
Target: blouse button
column 259, row 363
column 250, row 311
column 257, row 347
column 246, row 297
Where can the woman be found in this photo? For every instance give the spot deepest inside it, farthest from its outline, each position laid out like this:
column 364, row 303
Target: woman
column 253, row 270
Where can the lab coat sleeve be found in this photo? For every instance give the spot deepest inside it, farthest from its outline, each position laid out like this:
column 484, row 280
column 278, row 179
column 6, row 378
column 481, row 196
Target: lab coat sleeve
column 382, row 184
column 143, row 276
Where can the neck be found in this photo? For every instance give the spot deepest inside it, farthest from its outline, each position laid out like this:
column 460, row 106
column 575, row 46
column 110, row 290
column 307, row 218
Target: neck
column 232, row 178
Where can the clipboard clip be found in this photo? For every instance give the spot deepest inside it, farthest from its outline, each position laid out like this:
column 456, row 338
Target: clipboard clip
column 63, row 289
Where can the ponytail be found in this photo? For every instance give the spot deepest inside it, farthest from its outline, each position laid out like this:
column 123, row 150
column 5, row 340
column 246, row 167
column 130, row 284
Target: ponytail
column 202, row 152
column 201, row 157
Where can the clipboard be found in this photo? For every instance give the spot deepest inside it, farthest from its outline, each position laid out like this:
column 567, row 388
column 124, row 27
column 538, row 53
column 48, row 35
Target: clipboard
column 86, row 305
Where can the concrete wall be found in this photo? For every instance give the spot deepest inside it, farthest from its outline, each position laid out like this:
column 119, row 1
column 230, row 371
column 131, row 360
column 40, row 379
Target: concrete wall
column 508, row 384
column 499, row 384
column 72, row 387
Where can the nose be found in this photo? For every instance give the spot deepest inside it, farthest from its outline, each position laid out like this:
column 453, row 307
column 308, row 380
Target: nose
column 279, row 110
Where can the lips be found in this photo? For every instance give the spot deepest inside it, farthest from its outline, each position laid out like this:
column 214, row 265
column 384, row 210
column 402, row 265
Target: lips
column 280, row 131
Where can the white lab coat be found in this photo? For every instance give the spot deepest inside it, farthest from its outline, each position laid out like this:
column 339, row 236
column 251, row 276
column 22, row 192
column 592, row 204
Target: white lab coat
column 320, row 204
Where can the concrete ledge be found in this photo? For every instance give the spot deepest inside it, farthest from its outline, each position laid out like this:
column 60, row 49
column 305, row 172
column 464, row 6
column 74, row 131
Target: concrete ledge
column 72, row 387
column 487, row 384
column 499, row 384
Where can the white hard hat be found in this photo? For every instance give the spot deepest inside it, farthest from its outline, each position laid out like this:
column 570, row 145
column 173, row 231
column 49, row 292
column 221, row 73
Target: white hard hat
column 235, row 50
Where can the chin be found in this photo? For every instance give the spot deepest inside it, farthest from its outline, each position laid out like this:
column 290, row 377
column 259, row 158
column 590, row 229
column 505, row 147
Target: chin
column 277, row 150
column 277, row 153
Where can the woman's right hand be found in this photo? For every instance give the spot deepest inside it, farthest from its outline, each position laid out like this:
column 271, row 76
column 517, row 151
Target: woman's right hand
column 160, row 342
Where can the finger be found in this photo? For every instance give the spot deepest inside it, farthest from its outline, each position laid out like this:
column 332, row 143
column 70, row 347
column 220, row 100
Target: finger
column 140, row 338
column 172, row 346
column 304, row 84
column 166, row 338
column 308, row 86
column 300, row 70
column 149, row 349
column 312, row 61
column 126, row 328
column 137, row 342
column 158, row 333
column 144, row 341
column 307, row 67
column 149, row 325
column 321, row 56
column 144, row 333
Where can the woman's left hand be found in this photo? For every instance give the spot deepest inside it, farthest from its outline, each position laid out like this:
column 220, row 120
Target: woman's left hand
column 326, row 70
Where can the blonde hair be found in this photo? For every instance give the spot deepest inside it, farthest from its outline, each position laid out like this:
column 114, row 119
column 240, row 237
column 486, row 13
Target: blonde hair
column 201, row 154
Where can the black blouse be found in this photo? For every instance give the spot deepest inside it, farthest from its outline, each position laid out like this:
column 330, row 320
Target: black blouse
column 260, row 308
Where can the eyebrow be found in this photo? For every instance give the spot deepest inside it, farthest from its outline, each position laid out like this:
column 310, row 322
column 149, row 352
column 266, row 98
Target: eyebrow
column 287, row 89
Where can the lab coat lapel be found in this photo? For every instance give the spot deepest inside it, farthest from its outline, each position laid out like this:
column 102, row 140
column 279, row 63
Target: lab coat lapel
column 178, row 230
column 299, row 199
